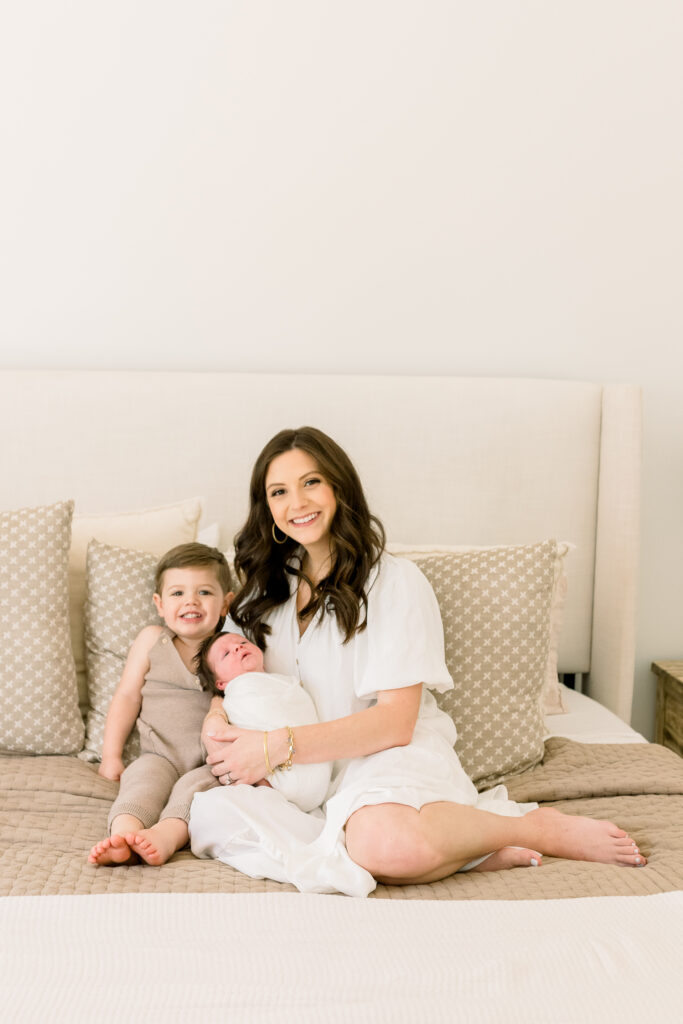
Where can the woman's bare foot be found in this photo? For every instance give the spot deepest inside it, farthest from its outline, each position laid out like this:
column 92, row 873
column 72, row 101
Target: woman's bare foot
column 112, row 850
column 157, row 844
column 510, row 857
column 578, row 838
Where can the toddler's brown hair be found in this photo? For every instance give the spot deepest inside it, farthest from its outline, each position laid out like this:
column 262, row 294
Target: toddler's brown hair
column 190, row 556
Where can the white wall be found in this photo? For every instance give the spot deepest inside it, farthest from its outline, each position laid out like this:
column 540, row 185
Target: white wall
column 426, row 186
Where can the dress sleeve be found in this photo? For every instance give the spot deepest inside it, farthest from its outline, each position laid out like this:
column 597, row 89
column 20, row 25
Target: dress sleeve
column 403, row 642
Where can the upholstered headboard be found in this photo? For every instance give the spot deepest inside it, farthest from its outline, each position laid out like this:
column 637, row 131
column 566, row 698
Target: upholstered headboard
column 444, row 460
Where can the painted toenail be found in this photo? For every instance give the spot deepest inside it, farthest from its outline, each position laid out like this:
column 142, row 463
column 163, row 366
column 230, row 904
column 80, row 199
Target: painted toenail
column 534, row 862
column 637, row 860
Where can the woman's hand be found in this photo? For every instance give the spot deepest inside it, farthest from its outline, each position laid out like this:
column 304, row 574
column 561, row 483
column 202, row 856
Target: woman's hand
column 240, row 757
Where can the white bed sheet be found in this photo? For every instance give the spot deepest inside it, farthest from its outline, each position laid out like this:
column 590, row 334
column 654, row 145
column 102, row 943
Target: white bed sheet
column 586, row 721
column 292, row 957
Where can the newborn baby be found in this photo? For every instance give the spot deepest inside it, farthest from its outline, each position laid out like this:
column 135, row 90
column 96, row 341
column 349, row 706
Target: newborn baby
column 254, row 699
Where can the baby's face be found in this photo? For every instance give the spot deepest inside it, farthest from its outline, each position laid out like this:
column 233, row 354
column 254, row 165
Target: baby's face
column 231, row 655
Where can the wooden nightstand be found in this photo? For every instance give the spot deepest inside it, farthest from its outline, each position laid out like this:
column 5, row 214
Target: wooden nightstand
column 669, row 725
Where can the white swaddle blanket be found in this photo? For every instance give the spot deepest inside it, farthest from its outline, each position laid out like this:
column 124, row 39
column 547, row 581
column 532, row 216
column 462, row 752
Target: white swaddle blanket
column 269, row 700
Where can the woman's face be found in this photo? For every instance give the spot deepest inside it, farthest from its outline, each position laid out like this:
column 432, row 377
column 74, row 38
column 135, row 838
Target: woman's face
column 301, row 501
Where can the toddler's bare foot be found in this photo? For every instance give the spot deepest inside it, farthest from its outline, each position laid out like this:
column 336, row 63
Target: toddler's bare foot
column 112, row 850
column 579, row 838
column 510, row 857
column 157, row 844
column 148, row 847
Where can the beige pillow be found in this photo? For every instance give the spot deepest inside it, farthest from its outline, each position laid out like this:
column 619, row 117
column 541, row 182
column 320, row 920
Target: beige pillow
column 154, row 530
column 552, row 701
column 38, row 692
column 119, row 589
column 496, row 608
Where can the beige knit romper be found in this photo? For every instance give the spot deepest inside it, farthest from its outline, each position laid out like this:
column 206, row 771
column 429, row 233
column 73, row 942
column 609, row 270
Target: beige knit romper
column 161, row 782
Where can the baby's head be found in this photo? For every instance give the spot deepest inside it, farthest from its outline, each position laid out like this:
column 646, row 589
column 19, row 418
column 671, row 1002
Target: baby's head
column 193, row 590
column 226, row 655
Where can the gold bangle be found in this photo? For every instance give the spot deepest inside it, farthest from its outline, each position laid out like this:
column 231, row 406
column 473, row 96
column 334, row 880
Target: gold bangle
column 269, row 770
column 286, row 765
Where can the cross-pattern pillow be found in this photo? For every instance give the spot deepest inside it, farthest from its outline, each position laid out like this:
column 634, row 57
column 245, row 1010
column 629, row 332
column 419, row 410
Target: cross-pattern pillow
column 496, row 607
column 552, row 701
column 119, row 590
column 155, row 530
column 40, row 713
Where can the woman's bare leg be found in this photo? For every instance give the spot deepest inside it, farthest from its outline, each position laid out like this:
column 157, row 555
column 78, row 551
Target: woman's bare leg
column 400, row 845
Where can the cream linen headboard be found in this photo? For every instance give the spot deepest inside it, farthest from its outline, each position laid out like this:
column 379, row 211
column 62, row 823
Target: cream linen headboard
column 444, row 460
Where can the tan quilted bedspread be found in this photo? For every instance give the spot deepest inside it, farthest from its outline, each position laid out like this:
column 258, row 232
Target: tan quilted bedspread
column 52, row 810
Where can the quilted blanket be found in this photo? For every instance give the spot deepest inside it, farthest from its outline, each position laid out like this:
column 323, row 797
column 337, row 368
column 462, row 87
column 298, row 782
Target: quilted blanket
column 52, row 810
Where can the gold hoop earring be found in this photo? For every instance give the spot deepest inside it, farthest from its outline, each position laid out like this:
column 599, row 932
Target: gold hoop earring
column 284, row 535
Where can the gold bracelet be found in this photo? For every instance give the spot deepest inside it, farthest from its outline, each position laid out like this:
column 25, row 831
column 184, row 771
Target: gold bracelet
column 269, row 770
column 286, row 765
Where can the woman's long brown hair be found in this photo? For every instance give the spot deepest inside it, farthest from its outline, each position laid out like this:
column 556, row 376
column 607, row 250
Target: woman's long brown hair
column 262, row 565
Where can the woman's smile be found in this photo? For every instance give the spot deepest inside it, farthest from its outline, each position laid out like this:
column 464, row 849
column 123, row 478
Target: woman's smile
column 305, row 520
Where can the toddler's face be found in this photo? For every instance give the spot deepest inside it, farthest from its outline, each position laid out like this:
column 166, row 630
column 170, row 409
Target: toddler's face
column 191, row 601
column 231, row 655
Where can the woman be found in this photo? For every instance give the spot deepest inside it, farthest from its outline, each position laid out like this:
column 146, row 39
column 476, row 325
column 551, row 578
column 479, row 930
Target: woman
column 362, row 631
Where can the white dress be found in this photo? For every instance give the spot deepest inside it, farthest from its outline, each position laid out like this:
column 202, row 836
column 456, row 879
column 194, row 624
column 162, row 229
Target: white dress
column 256, row 831
column 269, row 700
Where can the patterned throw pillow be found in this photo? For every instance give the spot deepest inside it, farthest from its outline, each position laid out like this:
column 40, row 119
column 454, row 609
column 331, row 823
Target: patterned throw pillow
column 119, row 589
column 150, row 529
column 496, row 605
column 552, row 701
column 38, row 692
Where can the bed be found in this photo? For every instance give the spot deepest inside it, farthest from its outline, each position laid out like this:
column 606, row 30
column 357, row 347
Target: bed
column 478, row 475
